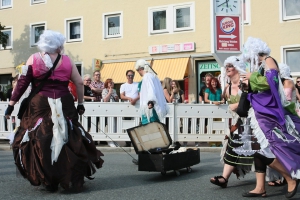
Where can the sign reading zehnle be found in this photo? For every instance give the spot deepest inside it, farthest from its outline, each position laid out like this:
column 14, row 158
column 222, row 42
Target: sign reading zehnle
column 228, row 33
column 171, row 48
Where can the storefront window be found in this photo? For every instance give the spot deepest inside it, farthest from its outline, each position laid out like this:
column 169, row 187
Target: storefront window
column 207, row 67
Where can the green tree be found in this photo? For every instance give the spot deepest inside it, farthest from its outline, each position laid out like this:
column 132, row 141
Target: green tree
column 3, row 37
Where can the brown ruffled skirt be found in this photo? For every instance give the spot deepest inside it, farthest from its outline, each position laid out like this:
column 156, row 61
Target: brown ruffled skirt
column 78, row 157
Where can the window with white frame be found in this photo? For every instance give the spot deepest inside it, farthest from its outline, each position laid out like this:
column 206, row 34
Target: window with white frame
column 291, row 9
column 74, row 30
column 171, row 18
column 37, row 1
column 246, row 11
column 292, row 58
column 8, row 32
column 5, row 4
column 36, row 31
column 113, row 25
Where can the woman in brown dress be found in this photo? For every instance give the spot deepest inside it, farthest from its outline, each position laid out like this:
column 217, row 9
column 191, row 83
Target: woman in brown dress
column 51, row 147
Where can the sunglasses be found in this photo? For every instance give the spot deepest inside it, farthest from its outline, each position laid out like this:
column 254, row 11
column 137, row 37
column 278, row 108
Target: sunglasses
column 88, row 80
column 130, row 75
column 97, row 74
column 298, row 81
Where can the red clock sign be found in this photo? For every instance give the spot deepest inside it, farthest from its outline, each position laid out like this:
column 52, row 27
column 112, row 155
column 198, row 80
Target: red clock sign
column 228, row 33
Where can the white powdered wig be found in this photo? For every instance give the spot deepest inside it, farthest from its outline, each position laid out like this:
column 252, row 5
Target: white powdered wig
column 285, row 71
column 141, row 63
column 237, row 62
column 252, row 48
column 51, row 42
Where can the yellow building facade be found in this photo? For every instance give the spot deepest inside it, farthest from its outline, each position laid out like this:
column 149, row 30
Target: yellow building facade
column 174, row 36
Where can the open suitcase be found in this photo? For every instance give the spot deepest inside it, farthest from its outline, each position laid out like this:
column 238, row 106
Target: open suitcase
column 151, row 142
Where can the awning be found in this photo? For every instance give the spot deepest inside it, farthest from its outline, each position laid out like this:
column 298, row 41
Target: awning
column 175, row 69
column 117, row 71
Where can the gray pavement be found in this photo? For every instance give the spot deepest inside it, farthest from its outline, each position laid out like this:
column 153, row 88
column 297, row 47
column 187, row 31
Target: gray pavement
column 120, row 179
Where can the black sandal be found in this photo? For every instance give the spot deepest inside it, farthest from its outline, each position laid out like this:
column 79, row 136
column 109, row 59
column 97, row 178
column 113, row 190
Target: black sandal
column 217, row 182
column 277, row 183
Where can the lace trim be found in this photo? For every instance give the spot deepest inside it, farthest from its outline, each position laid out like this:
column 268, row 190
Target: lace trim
column 26, row 136
column 83, row 134
column 257, row 132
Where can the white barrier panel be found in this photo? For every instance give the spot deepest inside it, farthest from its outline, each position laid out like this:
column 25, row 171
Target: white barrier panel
column 186, row 122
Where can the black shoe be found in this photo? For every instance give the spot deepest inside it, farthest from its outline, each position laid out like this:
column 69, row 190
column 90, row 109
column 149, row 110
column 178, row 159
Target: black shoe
column 292, row 193
column 51, row 188
column 248, row 194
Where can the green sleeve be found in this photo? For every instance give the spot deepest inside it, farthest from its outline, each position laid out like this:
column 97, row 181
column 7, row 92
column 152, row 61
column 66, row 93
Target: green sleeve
column 258, row 82
column 291, row 108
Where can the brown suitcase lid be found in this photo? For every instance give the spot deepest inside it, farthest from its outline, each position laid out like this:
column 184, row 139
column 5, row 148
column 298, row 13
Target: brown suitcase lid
column 150, row 136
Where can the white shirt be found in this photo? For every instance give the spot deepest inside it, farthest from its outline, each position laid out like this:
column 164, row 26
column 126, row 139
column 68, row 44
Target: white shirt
column 131, row 90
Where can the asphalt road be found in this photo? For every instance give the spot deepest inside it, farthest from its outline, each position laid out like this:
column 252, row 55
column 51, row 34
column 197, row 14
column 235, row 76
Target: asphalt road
column 120, row 179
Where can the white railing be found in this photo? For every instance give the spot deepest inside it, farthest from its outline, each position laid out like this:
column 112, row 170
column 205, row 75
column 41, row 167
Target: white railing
column 186, row 122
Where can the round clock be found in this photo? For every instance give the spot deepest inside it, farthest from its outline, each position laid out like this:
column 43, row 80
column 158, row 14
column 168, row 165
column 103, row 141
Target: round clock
column 227, row 7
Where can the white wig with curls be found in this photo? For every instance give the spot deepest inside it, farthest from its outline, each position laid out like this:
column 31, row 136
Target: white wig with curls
column 285, row 71
column 252, row 48
column 51, row 42
column 141, row 63
column 237, row 62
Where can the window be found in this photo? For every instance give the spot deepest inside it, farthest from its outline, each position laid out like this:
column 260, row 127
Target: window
column 182, row 18
column 36, row 31
column 159, row 20
column 8, row 31
column 246, row 11
column 79, row 68
column 37, row 1
column 74, row 30
column 5, row 4
column 171, row 18
column 291, row 9
column 291, row 56
column 113, row 25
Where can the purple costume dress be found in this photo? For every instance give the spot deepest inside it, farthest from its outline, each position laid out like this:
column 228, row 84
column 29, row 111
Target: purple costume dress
column 275, row 128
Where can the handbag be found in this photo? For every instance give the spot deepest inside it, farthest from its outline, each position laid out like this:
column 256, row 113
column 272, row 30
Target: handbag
column 244, row 103
column 25, row 103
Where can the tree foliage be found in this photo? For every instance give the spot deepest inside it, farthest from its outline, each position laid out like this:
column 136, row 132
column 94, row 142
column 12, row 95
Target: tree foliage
column 3, row 37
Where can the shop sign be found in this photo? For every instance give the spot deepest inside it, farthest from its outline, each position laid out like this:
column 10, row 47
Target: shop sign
column 209, row 66
column 228, row 33
column 97, row 64
column 172, row 48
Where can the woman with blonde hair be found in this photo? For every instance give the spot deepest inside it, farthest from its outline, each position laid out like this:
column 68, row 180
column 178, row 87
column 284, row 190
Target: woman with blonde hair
column 166, row 85
column 177, row 92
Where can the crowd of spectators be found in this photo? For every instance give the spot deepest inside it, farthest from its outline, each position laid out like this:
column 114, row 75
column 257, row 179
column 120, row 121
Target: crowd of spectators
column 97, row 91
